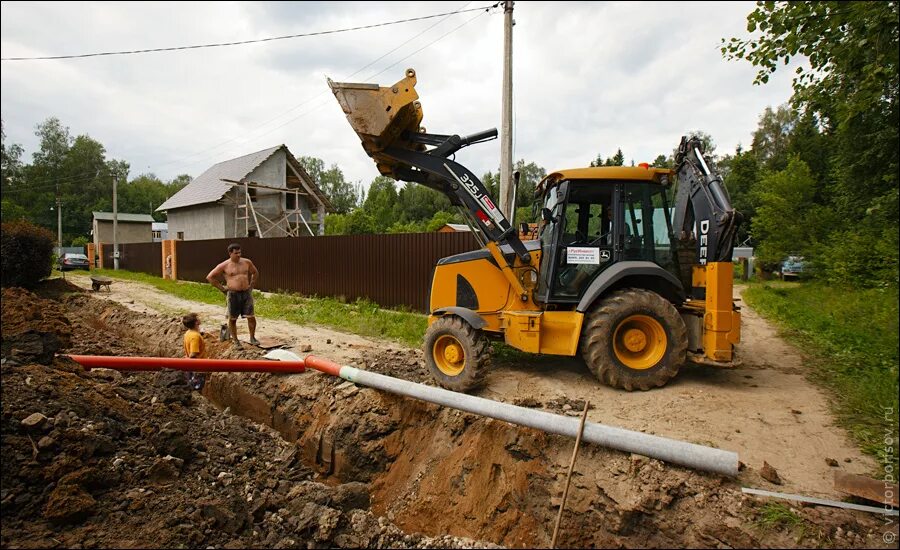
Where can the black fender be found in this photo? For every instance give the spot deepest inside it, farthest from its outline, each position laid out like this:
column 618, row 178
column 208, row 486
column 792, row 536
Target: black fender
column 467, row 314
column 619, row 271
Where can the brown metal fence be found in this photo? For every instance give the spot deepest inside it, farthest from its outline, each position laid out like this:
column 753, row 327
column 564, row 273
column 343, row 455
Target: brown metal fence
column 142, row 257
column 391, row 270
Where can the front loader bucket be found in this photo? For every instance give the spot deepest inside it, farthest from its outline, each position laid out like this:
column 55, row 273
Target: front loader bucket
column 380, row 115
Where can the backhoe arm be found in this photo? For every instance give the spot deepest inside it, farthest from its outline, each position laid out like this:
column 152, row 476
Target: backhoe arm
column 702, row 198
column 702, row 203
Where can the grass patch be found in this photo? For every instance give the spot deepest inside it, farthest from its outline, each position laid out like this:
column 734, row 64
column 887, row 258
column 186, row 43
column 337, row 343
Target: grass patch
column 777, row 516
column 361, row 317
column 851, row 337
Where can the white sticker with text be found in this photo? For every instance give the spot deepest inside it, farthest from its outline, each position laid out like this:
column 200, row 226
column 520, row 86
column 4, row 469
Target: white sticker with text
column 582, row 255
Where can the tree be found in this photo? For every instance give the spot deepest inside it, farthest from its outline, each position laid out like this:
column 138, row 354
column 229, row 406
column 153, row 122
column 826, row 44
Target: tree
column 381, row 203
column 743, row 173
column 530, row 174
column 784, row 222
column 851, row 90
column 617, row 160
column 343, row 195
column 661, row 161
column 417, row 203
column 771, row 138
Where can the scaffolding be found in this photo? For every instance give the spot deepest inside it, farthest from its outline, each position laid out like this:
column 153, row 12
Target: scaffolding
column 289, row 222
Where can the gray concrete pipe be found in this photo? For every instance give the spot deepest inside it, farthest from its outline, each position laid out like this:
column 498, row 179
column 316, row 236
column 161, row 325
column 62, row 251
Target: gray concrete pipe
column 668, row 450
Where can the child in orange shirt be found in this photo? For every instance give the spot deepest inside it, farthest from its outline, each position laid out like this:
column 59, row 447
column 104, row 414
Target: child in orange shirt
column 194, row 348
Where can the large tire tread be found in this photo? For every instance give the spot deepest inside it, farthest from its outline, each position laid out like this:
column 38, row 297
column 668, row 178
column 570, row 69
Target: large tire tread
column 598, row 330
column 477, row 349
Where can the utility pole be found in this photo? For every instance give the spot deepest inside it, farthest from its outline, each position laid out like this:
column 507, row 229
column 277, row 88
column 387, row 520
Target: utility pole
column 506, row 192
column 115, row 224
column 58, row 221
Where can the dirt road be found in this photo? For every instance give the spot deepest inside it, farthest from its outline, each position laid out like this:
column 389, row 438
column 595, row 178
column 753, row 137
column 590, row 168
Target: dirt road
column 765, row 410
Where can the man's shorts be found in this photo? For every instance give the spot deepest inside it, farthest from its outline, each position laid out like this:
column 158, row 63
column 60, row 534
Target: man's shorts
column 240, row 302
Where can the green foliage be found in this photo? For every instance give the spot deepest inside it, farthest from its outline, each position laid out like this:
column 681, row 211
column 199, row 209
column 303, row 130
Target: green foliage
column 616, row 160
column 27, row 253
column 661, row 161
column 381, row 203
column 80, row 241
column 343, row 195
column 784, row 222
column 145, row 193
column 867, row 257
column 743, row 173
column 360, row 222
column 772, row 135
column 845, row 127
column 850, row 336
column 530, row 174
column 851, row 48
column 75, row 171
column 440, row 219
column 336, row 224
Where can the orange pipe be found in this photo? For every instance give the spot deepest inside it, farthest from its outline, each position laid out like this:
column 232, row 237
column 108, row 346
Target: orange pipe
column 323, row 365
column 195, row 365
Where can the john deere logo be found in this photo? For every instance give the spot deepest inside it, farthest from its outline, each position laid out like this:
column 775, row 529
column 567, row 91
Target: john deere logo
column 604, row 255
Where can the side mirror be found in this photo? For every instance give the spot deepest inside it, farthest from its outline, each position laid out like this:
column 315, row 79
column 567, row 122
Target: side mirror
column 524, row 228
column 546, row 215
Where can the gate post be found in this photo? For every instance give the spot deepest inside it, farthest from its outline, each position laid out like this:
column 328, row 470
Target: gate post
column 169, row 260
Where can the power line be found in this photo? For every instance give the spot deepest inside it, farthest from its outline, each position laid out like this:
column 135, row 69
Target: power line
column 238, row 43
column 324, row 92
column 199, row 154
column 89, row 176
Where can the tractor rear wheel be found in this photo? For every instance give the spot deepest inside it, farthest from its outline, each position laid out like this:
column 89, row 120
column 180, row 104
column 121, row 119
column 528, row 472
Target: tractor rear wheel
column 634, row 340
column 457, row 355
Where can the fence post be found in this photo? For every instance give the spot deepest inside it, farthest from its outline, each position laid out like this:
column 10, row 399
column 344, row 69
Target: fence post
column 169, row 260
column 100, row 254
column 164, row 265
column 90, row 253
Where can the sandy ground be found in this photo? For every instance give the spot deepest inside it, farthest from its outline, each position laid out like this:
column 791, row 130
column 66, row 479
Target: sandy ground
column 765, row 410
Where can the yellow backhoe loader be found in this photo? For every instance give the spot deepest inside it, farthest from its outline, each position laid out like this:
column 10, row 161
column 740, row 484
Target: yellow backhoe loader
column 631, row 270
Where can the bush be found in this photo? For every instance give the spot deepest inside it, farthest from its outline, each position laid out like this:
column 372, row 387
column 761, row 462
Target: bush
column 81, row 241
column 862, row 258
column 27, row 253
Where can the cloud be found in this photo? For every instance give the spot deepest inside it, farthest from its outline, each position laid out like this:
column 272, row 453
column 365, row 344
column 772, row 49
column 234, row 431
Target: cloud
column 589, row 78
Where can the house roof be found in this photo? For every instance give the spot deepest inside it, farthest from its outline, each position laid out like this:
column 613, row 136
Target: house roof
column 458, row 226
column 160, row 226
column 108, row 216
column 209, row 187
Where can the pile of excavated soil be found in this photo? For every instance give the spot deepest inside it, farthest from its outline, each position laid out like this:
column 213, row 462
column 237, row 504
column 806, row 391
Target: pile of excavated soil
column 104, row 459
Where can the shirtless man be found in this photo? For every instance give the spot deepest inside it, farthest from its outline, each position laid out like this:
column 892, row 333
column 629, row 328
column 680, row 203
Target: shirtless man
column 240, row 275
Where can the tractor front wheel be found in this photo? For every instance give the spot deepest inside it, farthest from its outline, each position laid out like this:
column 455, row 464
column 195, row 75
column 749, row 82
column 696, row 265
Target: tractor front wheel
column 634, row 340
column 457, row 355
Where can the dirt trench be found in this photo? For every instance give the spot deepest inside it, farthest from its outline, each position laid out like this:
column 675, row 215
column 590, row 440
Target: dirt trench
column 310, row 460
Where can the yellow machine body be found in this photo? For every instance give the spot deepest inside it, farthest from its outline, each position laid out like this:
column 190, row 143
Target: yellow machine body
column 493, row 292
column 714, row 324
column 498, row 302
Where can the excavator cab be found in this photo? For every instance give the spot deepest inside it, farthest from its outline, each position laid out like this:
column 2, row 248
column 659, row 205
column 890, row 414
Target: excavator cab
column 604, row 278
column 593, row 218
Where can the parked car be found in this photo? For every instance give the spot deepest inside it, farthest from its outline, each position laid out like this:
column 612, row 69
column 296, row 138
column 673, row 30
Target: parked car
column 73, row 261
column 792, row 268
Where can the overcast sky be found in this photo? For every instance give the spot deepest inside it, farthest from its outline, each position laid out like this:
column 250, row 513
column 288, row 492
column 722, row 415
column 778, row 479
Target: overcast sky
column 588, row 78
